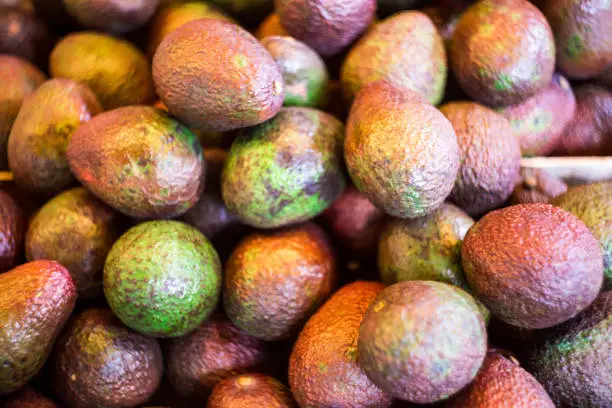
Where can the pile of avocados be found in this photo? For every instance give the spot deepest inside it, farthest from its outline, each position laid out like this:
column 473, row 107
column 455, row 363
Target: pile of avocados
column 304, row 204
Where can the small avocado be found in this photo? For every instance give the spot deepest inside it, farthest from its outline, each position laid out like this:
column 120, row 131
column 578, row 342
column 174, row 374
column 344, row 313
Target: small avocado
column 405, row 50
column 286, row 170
column 537, row 186
column 115, row 16
column 12, row 231
column 422, row 341
column 250, row 391
column 24, row 35
column 270, row 27
column 400, row 151
column 114, row 69
column 503, row 51
column 214, row 351
column 231, row 83
column 532, row 265
column 98, row 362
column 36, row 300
column 490, row 157
column 502, row 382
column 140, row 161
column 274, row 282
column 539, row 121
column 27, row 397
column 323, row 368
column 42, row 131
column 77, row 230
column 162, row 278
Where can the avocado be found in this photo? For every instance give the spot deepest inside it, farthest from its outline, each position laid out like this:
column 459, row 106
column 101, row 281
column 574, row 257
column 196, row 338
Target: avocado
column 502, row 52
column 327, row 26
column 115, row 16
column 27, row 397
column 400, row 151
column 323, row 368
column 250, row 391
column 422, row 341
column 490, row 157
column 114, row 69
column 405, row 50
column 502, row 380
column 19, row 79
column 445, row 15
column 573, row 362
column 537, row 186
column 270, row 27
column 274, row 282
column 42, row 131
column 98, row 362
column 539, row 121
column 24, row 35
column 592, row 203
column 12, row 231
column 532, row 265
column 214, row 351
column 77, row 230
column 162, row 278
column 286, row 170
column 231, row 83
column 138, row 160
column 303, row 71
column 36, row 300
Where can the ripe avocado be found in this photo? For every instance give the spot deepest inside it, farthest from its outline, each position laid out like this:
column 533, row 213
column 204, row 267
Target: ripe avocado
column 537, row 186
column 27, row 397
column 115, row 16
column 270, row 27
column 24, row 35
column 250, row 391
column 13, row 226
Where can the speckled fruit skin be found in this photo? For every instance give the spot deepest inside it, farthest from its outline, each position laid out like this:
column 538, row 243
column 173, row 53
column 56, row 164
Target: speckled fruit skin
column 502, row 383
column 532, row 265
column 445, row 15
column 231, row 83
column 270, row 27
column 400, row 151
column 328, row 26
column 216, row 350
column 36, row 300
column 405, row 50
column 539, row 121
column 12, row 231
column 503, row 51
column 24, row 35
column 304, row 72
column 98, row 362
column 19, row 78
column 27, row 397
column 42, row 131
column 250, row 391
column 537, row 186
column 75, row 229
column 323, row 369
column 422, row 341
column 275, row 282
column 139, row 161
column 285, row 171
column 115, row 16
column 114, row 69
column 162, row 278
column 592, row 203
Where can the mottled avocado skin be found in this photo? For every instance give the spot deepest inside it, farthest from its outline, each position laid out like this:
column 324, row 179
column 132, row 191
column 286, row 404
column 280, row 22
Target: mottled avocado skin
column 140, row 161
column 250, row 391
column 574, row 363
column 323, row 368
column 42, row 131
column 286, row 170
column 162, row 278
column 537, row 186
column 13, row 226
column 115, row 16
column 36, row 300
column 27, row 397
column 24, row 35
column 98, row 362
column 422, row 341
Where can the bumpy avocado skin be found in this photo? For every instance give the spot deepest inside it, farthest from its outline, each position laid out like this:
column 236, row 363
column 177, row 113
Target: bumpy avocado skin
column 42, row 131
column 115, row 16
column 286, row 170
column 98, row 362
column 27, row 397
column 162, row 278
column 574, row 363
column 140, row 161
column 503, row 51
column 13, row 226
column 250, row 391
column 24, row 35
column 537, row 186
column 382, row 54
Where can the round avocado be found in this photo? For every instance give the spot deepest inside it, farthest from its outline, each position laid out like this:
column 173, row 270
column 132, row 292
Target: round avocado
column 27, row 397
column 250, row 391
column 115, row 16
column 532, row 265
column 537, row 186
column 271, row 27
column 24, row 35
column 13, row 226
column 162, row 278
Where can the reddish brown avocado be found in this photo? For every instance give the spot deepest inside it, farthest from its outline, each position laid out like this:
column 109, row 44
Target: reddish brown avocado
column 328, row 26
column 502, row 382
column 250, row 391
column 323, row 369
column 24, row 35
column 537, row 186
column 231, row 83
column 139, row 161
column 98, row 362
column 27, row 397
column 116, row 16
column 36, row 300
column 12, row 231
column 532, row 265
